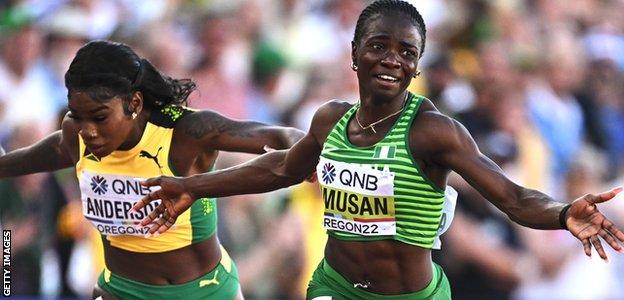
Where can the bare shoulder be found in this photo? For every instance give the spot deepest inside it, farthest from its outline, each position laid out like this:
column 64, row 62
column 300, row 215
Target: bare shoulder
column 430, row 119
column 326, row 116
column 200, row 124
column 434, row 131
column 330, row 112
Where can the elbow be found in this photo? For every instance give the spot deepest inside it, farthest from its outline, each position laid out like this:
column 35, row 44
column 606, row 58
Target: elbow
column 283, row 180
column 282, row 176
column 291, row 136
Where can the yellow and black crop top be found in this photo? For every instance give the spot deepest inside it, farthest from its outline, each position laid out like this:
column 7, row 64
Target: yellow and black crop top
column 110, row 185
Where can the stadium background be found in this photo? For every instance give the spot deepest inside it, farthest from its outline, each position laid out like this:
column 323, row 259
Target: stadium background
column 539, row 83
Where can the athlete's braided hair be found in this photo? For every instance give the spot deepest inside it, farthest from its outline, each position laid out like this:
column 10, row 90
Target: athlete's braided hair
column 383, row 7
column 105, row 69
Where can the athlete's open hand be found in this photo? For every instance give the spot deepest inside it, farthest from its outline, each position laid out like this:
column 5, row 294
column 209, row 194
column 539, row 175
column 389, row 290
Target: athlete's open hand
column 174, row 201
column 586, row 223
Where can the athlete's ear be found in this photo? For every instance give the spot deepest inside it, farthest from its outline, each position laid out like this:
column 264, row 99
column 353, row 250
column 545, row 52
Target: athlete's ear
column 136, row 103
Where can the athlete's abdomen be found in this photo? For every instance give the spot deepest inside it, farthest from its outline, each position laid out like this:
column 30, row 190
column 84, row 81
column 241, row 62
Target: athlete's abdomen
column 386, row 266
column 171, row 267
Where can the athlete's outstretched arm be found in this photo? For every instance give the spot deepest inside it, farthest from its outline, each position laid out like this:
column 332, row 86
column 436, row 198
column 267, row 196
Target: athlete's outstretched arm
column 46, row 155
column 271, row 171
column 214, row 131
column 455, row 149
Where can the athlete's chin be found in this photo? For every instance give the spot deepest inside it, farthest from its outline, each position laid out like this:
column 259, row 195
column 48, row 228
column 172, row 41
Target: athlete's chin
column 99, row 151
column 386, row 94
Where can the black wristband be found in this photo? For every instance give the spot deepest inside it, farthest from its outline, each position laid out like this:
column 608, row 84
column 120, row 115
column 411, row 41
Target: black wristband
column 562, row 216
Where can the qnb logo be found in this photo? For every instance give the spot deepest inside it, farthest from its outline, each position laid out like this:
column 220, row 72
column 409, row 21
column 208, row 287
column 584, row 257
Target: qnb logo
column 99, row 185
column 329, row 173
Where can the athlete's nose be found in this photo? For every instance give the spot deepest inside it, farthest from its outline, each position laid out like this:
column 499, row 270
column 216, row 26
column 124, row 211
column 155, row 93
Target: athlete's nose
column 88, row 132
column 391, row 60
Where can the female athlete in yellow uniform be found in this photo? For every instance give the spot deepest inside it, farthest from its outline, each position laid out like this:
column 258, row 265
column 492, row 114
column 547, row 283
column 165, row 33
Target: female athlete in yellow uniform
column 127, row 121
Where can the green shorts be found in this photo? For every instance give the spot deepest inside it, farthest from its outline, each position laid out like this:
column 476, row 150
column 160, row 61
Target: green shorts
column 220, row 283
column 327, row 282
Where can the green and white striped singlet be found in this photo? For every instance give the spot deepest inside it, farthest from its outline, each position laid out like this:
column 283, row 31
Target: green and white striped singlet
column 378, row 192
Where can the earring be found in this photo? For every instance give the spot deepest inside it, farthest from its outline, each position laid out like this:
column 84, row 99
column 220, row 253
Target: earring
column 134, row 115
column 417, row 73
column 354, row 67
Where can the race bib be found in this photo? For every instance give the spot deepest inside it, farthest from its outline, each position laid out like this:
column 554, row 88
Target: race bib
column 358, row 199
column 107, row 199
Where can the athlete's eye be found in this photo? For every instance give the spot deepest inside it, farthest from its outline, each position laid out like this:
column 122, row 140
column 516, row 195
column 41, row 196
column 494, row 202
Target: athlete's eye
column 377, row 46
column 99, row 119
column 409, row 53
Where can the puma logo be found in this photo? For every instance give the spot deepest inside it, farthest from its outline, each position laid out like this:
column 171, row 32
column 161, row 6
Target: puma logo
column 206, row 282
column 146, row 154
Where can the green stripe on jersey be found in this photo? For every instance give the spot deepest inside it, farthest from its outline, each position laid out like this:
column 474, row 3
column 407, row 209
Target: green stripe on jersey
column 418, row 203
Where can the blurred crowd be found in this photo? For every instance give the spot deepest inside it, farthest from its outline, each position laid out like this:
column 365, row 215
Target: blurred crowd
column 538, row 83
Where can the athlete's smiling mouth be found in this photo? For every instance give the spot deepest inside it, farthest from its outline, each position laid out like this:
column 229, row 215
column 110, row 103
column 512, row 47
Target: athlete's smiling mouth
column 386, row 77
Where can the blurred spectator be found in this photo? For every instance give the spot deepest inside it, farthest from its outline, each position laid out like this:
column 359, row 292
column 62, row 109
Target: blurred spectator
column 217, row 90
column 266, row 70
column 556, row 112
column 25, row 88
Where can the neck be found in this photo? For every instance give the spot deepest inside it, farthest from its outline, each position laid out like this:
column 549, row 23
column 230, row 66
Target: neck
column 372, row 108
column 378, row 118
column 136, row 133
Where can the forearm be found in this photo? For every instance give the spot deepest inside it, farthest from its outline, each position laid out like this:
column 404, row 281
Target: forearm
column 44, row 156
column 535, row 209
column 263, row 174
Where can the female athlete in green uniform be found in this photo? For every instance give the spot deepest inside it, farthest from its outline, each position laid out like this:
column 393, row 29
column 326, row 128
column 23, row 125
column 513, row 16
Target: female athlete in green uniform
column 126, row 121
column 382, row 165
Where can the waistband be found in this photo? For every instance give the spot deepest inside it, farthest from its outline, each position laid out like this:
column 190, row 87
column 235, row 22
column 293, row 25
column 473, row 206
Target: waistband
column 430, row 289
column 225, row 262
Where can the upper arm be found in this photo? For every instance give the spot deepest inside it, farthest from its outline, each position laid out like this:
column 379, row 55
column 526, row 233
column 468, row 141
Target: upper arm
column 211, row 130
column 302, row 158
column 453, row 148
column 48, row 154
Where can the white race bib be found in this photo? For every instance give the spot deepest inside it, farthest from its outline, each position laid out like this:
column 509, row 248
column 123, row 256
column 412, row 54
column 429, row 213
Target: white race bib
column 358, row 199
column 107, row 199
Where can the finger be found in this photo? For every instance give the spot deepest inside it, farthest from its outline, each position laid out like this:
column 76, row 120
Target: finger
column 610, row 240
column 168, row 224
column 153, row 215
column 616, row 232
column 151, row 230
column 171, row 212
column 602, row 197
column 151, row 181
column 586, row 247
column 154, row 228
column 155, row 195
column 598, row 246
